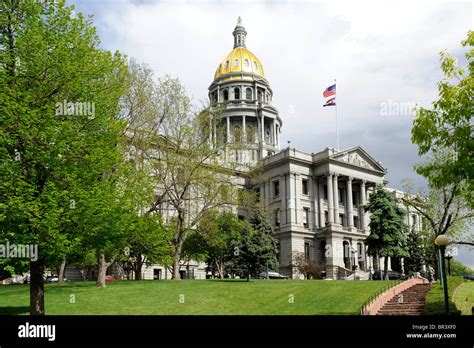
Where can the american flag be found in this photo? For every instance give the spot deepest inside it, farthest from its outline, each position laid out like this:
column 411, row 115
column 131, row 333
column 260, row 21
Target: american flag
column 331, row 90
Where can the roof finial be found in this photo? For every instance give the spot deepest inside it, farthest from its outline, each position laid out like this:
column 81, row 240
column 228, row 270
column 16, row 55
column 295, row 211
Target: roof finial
column 239, row 21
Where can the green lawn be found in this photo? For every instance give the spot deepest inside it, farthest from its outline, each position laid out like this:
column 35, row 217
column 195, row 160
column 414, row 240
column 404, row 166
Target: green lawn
column 434, row 302
column 464, row 297
column 207, row 297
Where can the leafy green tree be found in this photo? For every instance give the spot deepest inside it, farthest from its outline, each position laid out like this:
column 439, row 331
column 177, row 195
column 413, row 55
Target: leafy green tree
column 258, row 247
column 448, row 127
column 388, row 230
column 457, row 268
column 416, row 253
column 220, row 231
column 59, row 102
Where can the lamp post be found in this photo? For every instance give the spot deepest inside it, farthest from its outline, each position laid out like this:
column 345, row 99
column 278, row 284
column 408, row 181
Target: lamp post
column 441, row 241
column 449, row 257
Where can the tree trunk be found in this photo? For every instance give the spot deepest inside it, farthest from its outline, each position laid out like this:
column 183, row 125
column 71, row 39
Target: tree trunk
column 220, row 268
column 102, row 263
column 36, row 288
column 385, row 268
column 138, row 270
column 62, row 269
column 176, row 267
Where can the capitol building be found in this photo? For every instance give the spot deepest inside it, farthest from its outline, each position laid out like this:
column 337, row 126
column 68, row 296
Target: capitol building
column 313, row 200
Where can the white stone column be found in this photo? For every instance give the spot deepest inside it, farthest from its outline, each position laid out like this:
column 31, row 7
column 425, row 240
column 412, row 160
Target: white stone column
column 336, row 198
column 315, row 190
column 228, row 129
column 274, row 133
column 262, row 124
column 244, row 130
column 330, row 199
column 363, row 199
column 320, row 188
column 350, row 218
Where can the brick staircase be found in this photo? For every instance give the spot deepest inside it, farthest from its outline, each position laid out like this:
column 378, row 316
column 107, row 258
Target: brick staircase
column 409, row 302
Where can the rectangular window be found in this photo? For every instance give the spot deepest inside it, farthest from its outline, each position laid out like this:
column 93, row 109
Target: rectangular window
column 325, row 192
column 277, row 218
column 354, row 198
column 326, row 217
column 156, row 274
column 276, row 188
column 342, row 220
column 306, row 217
column 304, row 186
column 306, row 251
column 340, row 194
column 356, row 222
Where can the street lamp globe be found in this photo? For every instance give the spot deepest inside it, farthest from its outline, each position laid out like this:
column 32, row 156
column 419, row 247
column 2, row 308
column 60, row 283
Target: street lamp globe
column 441, row 240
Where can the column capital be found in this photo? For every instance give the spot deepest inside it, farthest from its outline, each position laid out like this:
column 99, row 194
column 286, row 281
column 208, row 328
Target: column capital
column 350, row 178
column 363, row 182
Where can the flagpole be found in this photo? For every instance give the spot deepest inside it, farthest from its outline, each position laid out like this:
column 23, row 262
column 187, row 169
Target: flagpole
column 337, row 131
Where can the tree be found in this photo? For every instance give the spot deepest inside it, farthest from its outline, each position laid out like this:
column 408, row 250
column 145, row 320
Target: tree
column 59, row 126
column 220, row 231
column 388, row 230
column 448, row 127
column 416, row 253
column 309, row 268
column 184, row 163
column 257, row 248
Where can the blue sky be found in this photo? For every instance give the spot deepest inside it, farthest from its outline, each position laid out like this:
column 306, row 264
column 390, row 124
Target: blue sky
column 380, row 52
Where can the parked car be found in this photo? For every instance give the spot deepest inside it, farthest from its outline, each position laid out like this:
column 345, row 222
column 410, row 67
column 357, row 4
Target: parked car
column 468, row 276
column 53, row 279
column 392, row 275
column 110, row 278
column 272, row 275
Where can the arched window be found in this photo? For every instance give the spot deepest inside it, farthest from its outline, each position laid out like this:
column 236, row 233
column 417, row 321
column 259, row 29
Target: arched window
column 227, row 64
column 236, row 62
column 237, row 134
column 225, row 95
column 250, row 134
column 255, row 65
column 248, row 93
column 246, row 63
column 236, row 93
column 260, row 95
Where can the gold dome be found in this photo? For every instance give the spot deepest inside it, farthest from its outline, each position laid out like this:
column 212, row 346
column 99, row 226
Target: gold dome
column 239, row 60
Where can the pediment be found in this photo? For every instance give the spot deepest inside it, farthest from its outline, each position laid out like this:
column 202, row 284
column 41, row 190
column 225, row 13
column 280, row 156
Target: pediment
column 359, row 158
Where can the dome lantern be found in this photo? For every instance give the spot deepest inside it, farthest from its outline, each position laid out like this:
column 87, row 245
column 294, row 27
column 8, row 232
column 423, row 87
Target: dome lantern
column 239, row 34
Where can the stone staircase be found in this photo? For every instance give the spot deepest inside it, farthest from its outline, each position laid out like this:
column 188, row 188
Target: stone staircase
column 409, row 302
column 358, row 275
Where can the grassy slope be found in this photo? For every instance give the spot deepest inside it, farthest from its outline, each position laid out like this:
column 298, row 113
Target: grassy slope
column 464, row 297
column 200, row 297
column 434, row 302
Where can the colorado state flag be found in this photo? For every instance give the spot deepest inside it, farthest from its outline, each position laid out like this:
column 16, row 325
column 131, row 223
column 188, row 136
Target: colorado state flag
column 330, row 102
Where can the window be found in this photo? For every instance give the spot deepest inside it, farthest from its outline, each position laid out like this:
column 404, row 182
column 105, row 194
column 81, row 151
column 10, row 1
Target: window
column 256, row 192
column 236, row 62
column 156, row 274
column 306, row 251
column 255, row 65
column 246, row 63
column 356, row 222
column 306, row 217
column 237, row 134
column 326, row 217
column 276, row 188
column 225, row 94
column 236, row 93
column 227, row 64
column 342, row 220
column 325, row 193
column 304, row 188
column 248, row 93
column 250, row 134
column 277, row 218
column 340, row 194
column 354, row 197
